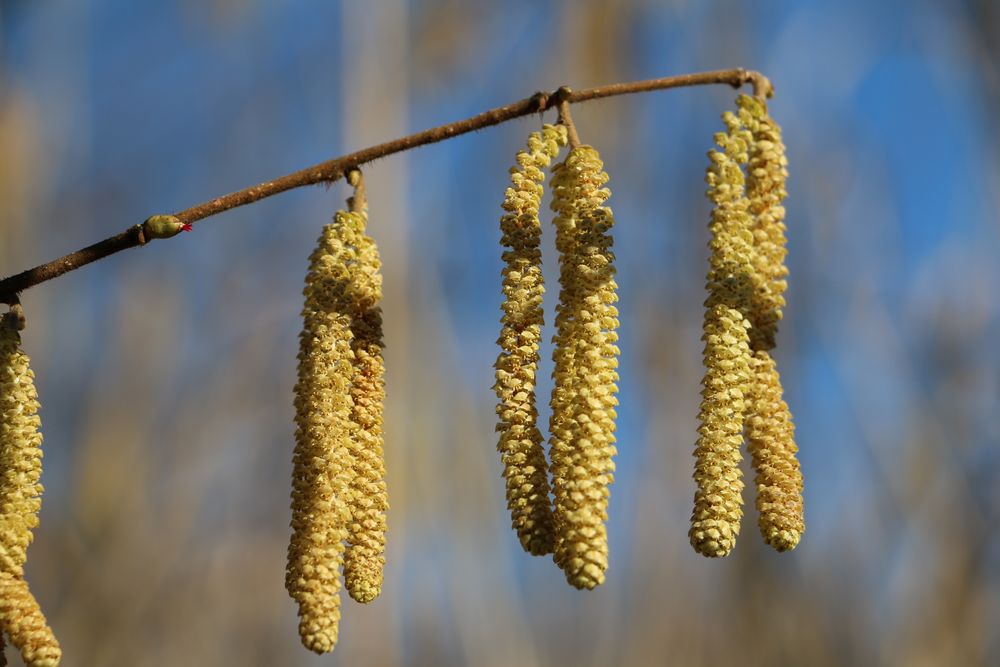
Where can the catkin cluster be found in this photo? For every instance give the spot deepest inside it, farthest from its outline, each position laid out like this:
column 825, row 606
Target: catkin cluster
column 338, row 487
column 741, row 389
column 20, row 500
column 581, row 428
column 520, row 444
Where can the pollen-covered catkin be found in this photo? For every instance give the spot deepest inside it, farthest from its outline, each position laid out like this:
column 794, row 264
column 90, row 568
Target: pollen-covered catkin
column 767, row 173
column 715, row 521
column 364, row 560
column 20, row 500
column 20, row 450
column 770, row 431
column 520, row 442
column 584, row 398
column 322, row 465
column 22, row 621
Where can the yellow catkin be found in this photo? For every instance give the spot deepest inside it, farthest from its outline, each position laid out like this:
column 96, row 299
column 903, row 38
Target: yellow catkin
column 322, row 464
column 767, row 173
column 770, row 431
column 583, row 400
column 715, row 521
column 364, row 560
column 20, row 500
column 24, row 624
column 20, row 451
column 520, row 442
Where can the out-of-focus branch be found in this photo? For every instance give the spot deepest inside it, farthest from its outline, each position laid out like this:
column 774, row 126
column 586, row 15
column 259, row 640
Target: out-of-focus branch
column 335, row 169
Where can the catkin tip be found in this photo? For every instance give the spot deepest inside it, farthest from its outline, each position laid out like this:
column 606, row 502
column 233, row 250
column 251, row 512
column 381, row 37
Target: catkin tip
column 22, row 621
column 771, row 438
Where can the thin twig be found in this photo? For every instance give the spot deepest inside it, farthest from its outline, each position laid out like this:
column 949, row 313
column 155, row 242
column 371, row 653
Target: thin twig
column 565, row 117
column 357, row 202
column 335, row 169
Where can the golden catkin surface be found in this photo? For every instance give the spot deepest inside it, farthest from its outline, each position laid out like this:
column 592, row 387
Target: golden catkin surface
column 715, row 521
column 520, row 441
column 24, row 624
column 20, row 451
column 772, row 444
column 584, row 398
column 322, row 466
column 364, row 560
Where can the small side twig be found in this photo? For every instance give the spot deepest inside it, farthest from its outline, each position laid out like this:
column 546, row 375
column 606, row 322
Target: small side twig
column 565, row 118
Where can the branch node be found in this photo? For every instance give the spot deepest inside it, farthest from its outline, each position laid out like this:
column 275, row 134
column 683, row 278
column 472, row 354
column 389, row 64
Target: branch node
column 541, row 101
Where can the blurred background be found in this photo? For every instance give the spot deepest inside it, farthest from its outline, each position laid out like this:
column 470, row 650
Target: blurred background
column 166, row 373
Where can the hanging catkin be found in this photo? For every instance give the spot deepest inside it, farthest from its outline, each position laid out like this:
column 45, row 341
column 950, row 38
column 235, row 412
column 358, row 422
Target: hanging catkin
column 715, row 521
column 20, row 500
column 770, row 431
column 20, row 451
column 586, row 360
column 520, row 442
column 368, row 502
column 322, row 465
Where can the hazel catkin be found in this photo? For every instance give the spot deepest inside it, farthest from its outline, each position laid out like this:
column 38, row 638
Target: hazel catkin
column 322, row 466
column 364, row 559
column 520, row 441
column 339, row 497
column 21, row 619
column 715, row 521
column 770, row 431
column 767, row 173
column 582, row 425
column 20, row 450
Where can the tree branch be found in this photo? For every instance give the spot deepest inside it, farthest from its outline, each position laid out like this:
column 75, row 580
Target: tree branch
column 335, row 169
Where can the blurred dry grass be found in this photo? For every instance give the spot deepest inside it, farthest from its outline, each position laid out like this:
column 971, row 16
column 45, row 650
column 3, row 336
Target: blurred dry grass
column 166, row 398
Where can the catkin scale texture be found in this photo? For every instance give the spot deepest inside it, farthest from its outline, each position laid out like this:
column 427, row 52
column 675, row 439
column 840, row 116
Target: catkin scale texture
column 520, row 440
column 715, row 520
column 582, row 425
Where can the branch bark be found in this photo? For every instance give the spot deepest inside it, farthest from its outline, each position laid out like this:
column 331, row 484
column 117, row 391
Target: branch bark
column 335, row 169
